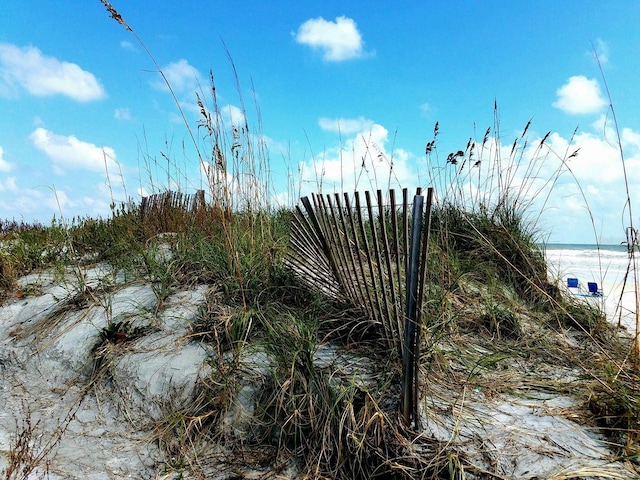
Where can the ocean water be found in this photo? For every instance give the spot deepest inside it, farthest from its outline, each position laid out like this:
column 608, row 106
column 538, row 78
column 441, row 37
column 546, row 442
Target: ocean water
column 608, row 266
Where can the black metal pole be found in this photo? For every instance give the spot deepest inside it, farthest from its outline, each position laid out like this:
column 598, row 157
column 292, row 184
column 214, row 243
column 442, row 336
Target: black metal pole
column 411, row 307
column 424, row 257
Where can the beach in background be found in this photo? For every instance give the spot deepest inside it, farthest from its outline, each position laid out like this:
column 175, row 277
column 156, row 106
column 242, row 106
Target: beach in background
column 607, row 265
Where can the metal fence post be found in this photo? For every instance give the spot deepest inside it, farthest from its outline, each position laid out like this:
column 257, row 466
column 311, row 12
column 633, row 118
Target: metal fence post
column 408, row 347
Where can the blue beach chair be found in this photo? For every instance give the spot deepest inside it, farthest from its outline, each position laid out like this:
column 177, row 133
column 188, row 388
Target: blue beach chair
column 593, row 289
column 573, row 283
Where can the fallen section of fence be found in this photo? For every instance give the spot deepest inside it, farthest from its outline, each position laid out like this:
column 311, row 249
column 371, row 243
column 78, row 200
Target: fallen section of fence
column 372, row 254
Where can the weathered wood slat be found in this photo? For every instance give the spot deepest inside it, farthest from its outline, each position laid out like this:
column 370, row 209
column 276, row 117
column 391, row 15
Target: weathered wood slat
column 307, row 257
column 370, row 273
column 167, row 210
column 364, row 285
column 395, row 309
column 339, row 237
column 398, row 259
column 333, row 237
column 349, row 245
column 385, row 312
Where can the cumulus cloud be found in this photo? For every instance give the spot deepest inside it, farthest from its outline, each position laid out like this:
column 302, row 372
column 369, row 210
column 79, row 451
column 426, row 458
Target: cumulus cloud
column 41, row 204
column 362, row 162
column 228, row 116
column 631, row 140
column 597, row 162
column 4, row 165
column 573, row 187
column 598, row 171
column 67, row 152
column 181, row 75
column 580, row 95
column 27, row 68
column 338, row 41
column 582, row 192
column 59, row 200
column 345, row 126
column 31, row 204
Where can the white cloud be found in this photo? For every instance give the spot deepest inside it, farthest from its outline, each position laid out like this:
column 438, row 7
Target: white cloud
column 602, row 126
column 281, row 148
column 345, row 126
column 631, row 140
column 232, row 115
column 67, row 152
column 44, row 76
column 592, row 191
column 228, row 116
column 597, row 162
column 338, row 41
column 8, row 185
column 363, row 162
column 36, row 204
column 566, row 200
column 4, row 165
column 566, row 195
column 23, row 203
column 580, row 95
column 122, row 114
column 183, row 77
column 42, row 202
column 59, row 201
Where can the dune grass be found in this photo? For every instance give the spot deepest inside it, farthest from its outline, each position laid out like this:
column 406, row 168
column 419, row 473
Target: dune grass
column 490, row 307
column 488, row 300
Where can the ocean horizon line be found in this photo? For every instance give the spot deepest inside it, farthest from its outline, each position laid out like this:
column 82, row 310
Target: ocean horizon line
column 589, row 246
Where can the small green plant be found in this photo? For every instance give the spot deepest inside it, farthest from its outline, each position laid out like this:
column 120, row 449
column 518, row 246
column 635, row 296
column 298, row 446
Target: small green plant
column 160, row 269
column 500, row 321
column 7, row 278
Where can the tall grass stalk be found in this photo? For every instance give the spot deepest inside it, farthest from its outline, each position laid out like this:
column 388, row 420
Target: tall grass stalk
column 486, row 194
column 631, row 232
column 233, row 161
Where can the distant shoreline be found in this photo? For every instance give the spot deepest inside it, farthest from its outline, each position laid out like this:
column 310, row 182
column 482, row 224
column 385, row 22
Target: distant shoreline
column 584, row 246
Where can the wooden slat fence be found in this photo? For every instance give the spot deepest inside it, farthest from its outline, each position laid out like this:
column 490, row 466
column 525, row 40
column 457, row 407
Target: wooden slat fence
column 164, row 211
column 356, row 249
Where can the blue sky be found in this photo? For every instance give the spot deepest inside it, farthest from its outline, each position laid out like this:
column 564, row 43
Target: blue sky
column 335, row 83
